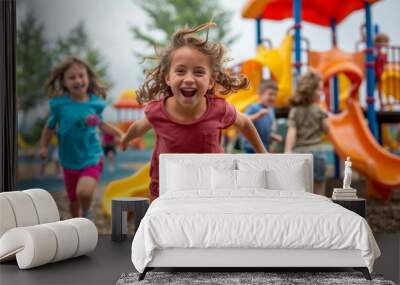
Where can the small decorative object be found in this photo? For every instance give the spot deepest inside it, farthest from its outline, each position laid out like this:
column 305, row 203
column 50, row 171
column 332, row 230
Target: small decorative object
column 347, row 174
column 92, row 120
column 345, row 193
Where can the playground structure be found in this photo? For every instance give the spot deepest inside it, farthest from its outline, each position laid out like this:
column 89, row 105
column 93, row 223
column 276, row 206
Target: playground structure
column 128, row 111
column 134, row 185
column 351, row 135
column 343, row 74
column 279, row 62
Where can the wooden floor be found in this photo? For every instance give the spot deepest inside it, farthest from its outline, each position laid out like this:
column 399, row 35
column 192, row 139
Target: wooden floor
column 110, row 259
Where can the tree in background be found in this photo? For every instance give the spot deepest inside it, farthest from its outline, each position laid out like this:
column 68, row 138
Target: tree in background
column 33, row 63
column 167, row 16
column 77, row 43
column 34, row 59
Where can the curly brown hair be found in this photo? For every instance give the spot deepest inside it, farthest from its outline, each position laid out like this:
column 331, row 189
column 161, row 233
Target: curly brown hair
column 307, row 85
column 54, row 84
column 155, row 86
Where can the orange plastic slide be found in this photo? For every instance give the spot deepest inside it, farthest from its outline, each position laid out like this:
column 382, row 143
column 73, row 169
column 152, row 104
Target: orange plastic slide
column 351, row 136
column 347, row 66
column 349, row 132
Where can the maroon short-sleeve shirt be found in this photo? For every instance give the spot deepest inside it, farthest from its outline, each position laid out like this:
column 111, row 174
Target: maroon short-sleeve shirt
column 200, row 136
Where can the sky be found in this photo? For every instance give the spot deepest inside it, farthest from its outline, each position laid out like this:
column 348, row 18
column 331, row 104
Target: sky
column 108, row 23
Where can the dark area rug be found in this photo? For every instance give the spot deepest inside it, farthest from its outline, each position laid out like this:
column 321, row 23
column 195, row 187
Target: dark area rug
column 229, row 278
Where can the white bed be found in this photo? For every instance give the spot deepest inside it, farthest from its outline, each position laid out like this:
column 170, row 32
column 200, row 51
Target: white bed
column 247, row 210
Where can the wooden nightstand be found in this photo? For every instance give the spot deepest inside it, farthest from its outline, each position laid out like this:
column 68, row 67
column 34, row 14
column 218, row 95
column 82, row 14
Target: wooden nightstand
column 356, row 205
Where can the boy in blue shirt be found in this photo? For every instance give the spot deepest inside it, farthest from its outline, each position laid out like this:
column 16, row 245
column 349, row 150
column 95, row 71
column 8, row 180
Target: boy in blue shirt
column 262, row 115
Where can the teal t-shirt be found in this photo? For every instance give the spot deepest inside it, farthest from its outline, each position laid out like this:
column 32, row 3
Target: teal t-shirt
column 76, row 124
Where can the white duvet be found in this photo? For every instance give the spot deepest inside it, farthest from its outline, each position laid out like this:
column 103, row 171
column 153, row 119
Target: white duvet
column 253, row 218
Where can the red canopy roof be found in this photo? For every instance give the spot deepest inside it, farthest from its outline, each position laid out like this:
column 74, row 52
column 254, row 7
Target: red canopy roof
column 318, row 12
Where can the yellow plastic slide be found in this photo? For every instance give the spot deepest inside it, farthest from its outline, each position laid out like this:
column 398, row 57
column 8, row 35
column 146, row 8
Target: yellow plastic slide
column 136, row 185
column 350, row 135
column 242, row 99
column 279, row 62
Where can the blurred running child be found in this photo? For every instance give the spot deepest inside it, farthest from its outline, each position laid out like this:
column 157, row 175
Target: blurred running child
column 182, row 107
column 306, row 124
column 262, row 114
column 76, row 107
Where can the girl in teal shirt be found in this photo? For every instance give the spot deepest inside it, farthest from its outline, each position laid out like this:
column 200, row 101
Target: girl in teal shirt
column 76, row 107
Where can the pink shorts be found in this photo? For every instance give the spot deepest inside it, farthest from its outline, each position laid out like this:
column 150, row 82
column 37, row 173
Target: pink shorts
column 72, row 176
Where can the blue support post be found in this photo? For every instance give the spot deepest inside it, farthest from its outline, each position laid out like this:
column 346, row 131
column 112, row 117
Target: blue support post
column 380, row 139
column 335, row 80
column 334, row 34
column 335, row 92
column 372, row 122
column 297, row 37
column 258, row 32
column 376, row 29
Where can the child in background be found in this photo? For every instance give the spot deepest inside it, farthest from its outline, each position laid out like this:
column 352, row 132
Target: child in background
column 182, row 108
column 306, row 124
column 108, row 144
column 262, row 114
column 76, row 107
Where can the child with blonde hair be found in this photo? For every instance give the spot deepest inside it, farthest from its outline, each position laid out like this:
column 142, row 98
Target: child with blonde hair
column 306, row 124
column 76, row 107
column 182, row 107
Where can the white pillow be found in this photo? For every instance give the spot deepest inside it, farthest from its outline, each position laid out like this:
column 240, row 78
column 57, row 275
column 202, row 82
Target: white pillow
column 282, row 173
column 193, row 173
column 223, row 179
column 251, row 178
column 188, row 177
column 226, row 179
column 280, row 180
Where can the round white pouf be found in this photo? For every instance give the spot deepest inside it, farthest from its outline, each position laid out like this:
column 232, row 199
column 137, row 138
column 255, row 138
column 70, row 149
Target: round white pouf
column 87, row 235
column 33, row 246
column 23, row 208
column 6, row 215
column 40, row 244
column 67, row 240
column 45, row 205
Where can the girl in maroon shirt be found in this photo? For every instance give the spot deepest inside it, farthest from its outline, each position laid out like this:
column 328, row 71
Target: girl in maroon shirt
column 182, row 108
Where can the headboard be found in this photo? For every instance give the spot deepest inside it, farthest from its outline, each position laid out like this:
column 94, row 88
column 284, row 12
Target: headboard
column 276, row 161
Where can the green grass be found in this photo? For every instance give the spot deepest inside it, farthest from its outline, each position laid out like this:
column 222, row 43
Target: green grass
column 149, row 139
